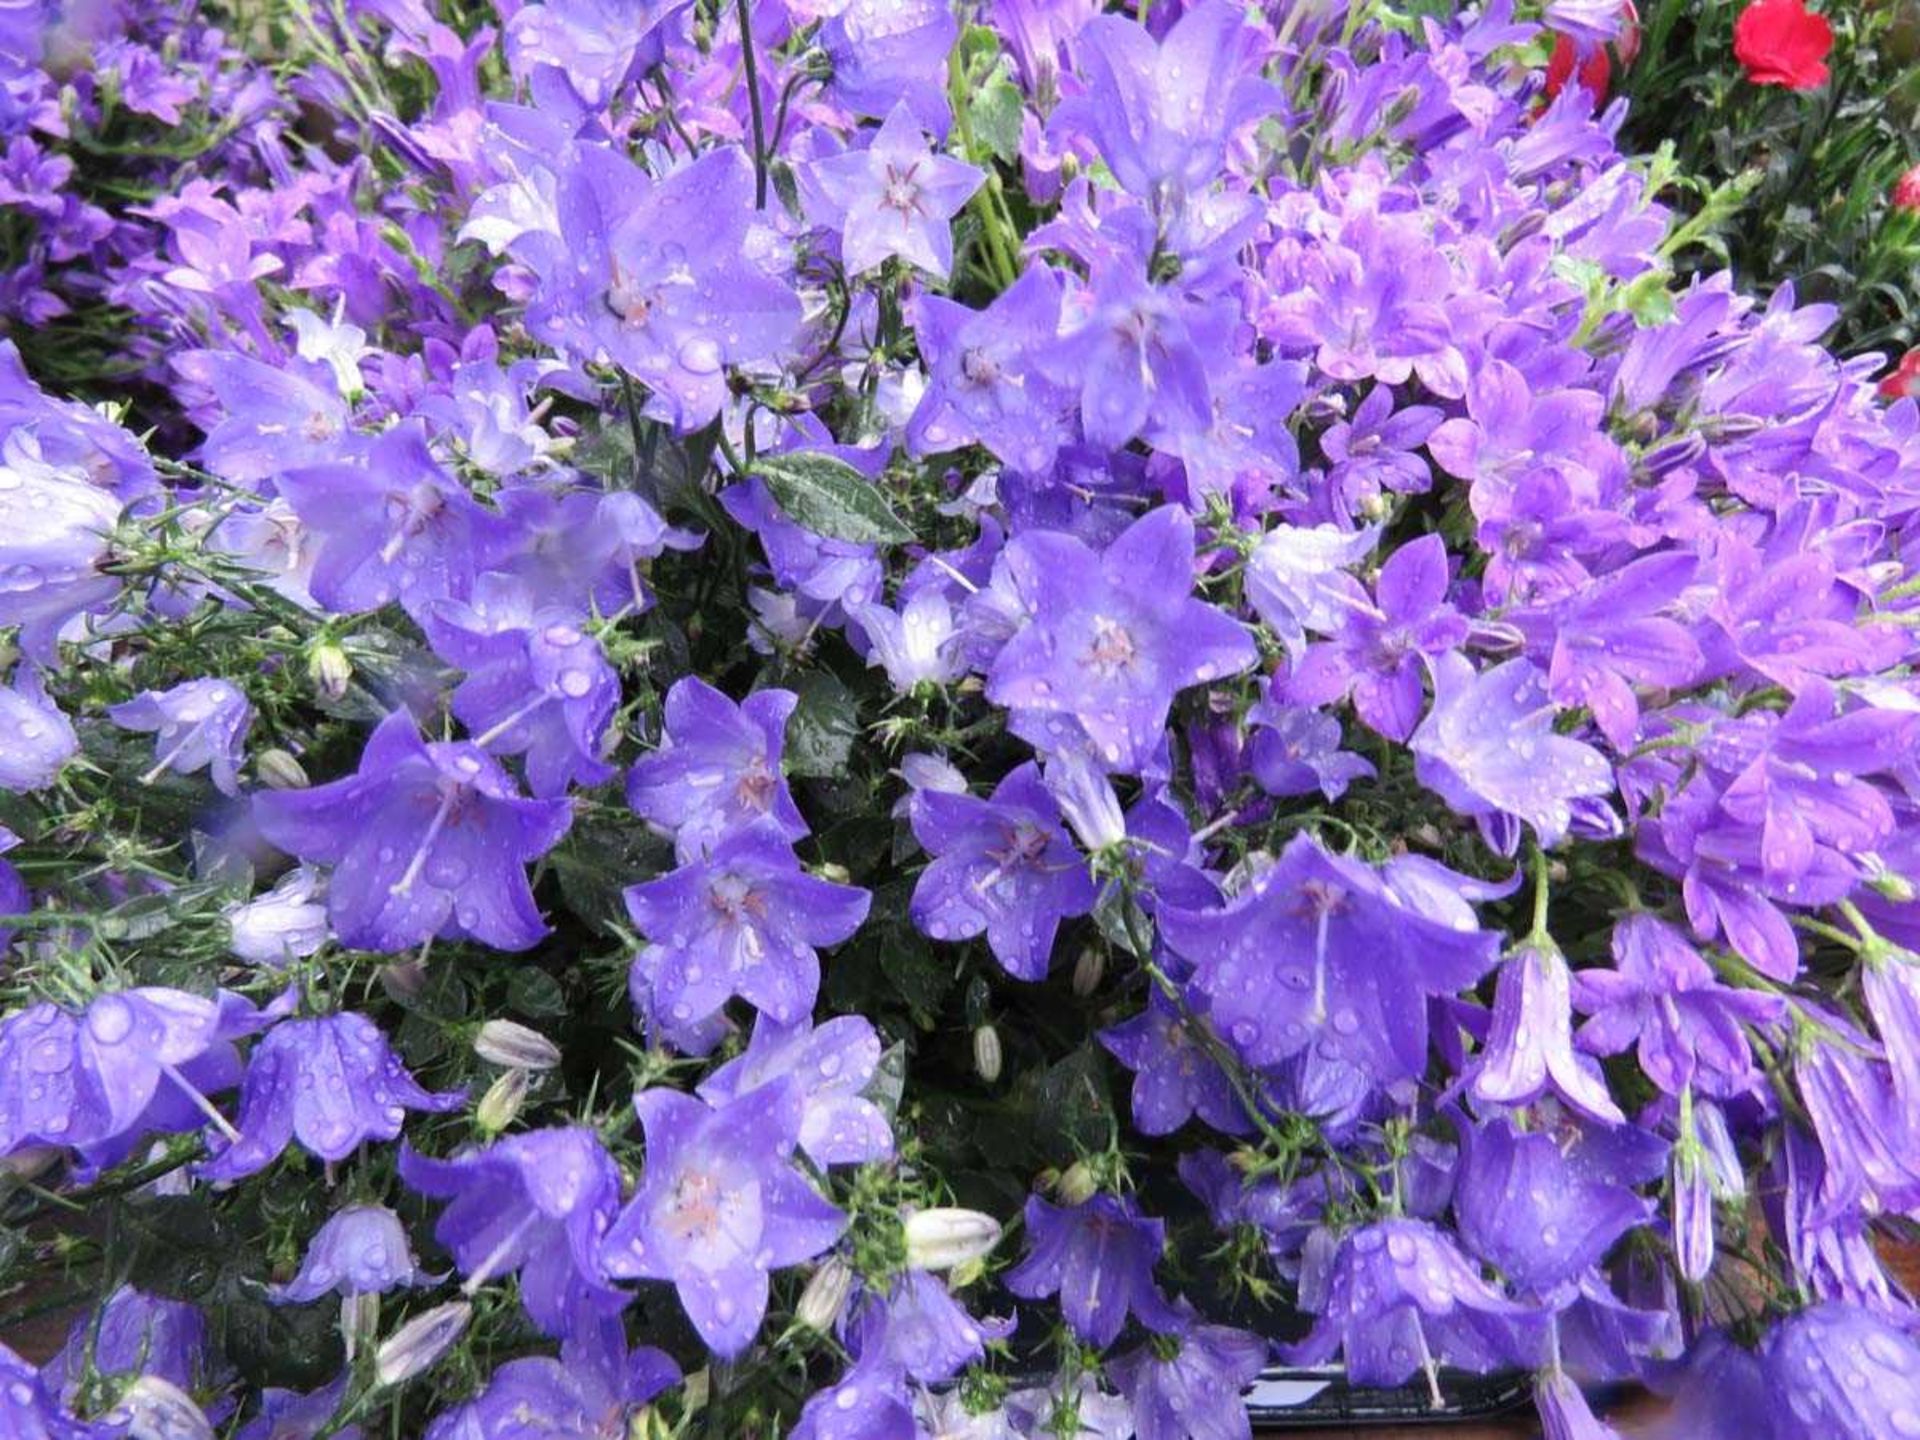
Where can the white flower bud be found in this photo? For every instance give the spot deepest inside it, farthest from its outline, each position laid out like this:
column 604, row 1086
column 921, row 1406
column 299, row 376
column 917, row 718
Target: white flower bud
column 1088, row 971
column 278, row 770
column 1076, row 1184
column 825, row 1295
column 940, row 1239
column 506, row 1042
column 986, row 1053
column 503, row 1102
column 403, row 980
column 419, row 1343
column 1086, row 798
column 329, row 669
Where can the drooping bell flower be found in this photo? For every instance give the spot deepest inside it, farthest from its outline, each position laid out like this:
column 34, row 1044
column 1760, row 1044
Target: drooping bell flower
column 1844, row 1372
column 592, row 1391
column 360, row 1250
column 198, row 725
column 1529, row 1048
column 1098, row 1257
column 1196, row 1390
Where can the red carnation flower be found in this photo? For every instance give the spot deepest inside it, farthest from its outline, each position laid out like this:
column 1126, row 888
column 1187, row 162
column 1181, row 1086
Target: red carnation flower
column 1781, row 43
column 1904, row 381
column 1906, row 191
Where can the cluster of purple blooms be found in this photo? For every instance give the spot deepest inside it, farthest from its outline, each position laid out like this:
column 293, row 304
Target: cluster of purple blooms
column 1320, row 460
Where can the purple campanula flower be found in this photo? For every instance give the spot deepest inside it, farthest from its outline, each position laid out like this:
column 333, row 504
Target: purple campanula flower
column 916, row 644
column 660, row 277
column 1295, row 580
column 1002, row 867
column 1841, row 1371
column 1833, row 1257
column 85, row 1078
column 1890, row 984
column 1662, row 998
column 536, row 1205
column 130, row 1334
column 1488, row 748
column 360, row 1250
column 829, row 1065
column 330, row 1083
column 720, row 1206
column 1867, row 1140
column 290, row 1415
column 274, row 418
column 1319, row 951
column 717, row 769
column 1195, row 1393
column 1399, row 1298
column 1532, row 1211
column 536, row 684
column 30, row 1411
column 894, row 198
column 1174, row 1075
column 1564, row 1411
column 888, row 52
column 1529, row 1049
column 745, row 920
column 1609, row 638
column 36, row 739
column 986, row 383
column 57, row 523
column 1161, row 114
column 1294, row 750
column 591, row 1392
column 1510, row 426
column 1379, row 647
column 1113, row 637
column 392, row 527
column 1098, row 1257
column 869, row 1402
column 1379, row 448
column 1721, row 1392
column 424, row 840
column 201, row 724
column 597, row 45
column 919, row 1328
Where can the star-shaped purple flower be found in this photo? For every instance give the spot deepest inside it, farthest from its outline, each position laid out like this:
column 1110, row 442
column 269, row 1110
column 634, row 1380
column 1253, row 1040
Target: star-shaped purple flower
column 330, row 1083
column 1174, row 1075
column 424, row 840
column 717, row 770
column 1098, row 1257
column 536, row 1205
column 1002, row 867
column 719, row 1207
column 1196, row 1393
column 1112, row 638
column 1320, row 950
column 595, row 1390
column 197, row 725
column 894, row 198
column 745, row 920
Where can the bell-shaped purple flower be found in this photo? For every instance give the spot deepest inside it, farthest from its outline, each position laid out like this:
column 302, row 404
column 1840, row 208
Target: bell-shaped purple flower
column 719, row 1207
column 1098, row 1257
column 1294, row 750
column 869, row 1402
column 1399, row 1298
column 1319, row 950
column 1844, row 1372
column 1175, row 1076
column 198, row 725
column 331, row 1083
column 58, row 524
column 132, row 1333
column 1001, row 867
column 425, row 840
column 30, row 1411
column 1869, row 1142
column 830, row 1065
column 746, row 920
column 537, row 684
column 360, row 1250
column 1112, row 637
column 1488, row 748
column 290, row 1415
column 36, row 739
column 391, row 527
column 1530, row 1047
column 717, row 770
column 536, row 1205
column 1538, row 1216
column 591, row 1392
column 1196, row 1393
column 919, row 1328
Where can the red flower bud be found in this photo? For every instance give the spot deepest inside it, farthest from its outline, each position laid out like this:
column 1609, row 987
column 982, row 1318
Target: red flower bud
column 1904, row 380
column 1780, row 43
column 1906, row 191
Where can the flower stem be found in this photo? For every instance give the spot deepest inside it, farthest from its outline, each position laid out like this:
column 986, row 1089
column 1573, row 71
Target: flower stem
column 752, row 64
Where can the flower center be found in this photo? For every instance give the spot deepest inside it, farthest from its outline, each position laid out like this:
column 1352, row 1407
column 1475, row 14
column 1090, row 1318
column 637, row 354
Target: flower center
column 1112, row 650
column 693, row 1209
column 901, row 191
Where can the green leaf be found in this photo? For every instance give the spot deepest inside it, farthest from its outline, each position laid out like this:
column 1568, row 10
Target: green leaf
column 996, row 110
column 831, row 498
column 824, row 728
